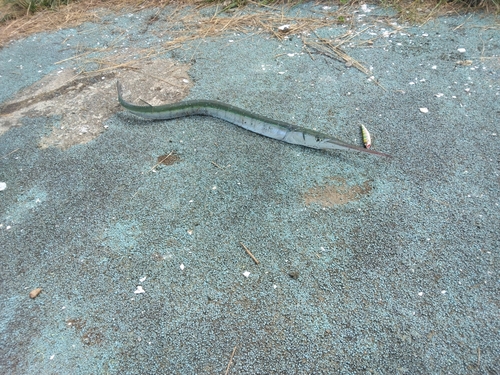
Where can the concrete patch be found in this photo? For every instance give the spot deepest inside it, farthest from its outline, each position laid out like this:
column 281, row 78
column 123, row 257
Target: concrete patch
column 81, row 103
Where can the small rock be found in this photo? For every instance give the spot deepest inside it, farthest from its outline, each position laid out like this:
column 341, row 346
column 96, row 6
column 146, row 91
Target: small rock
column 35, row 292
column 139, row 290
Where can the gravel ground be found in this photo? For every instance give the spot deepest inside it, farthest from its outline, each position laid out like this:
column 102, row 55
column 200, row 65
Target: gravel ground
column 367, row 265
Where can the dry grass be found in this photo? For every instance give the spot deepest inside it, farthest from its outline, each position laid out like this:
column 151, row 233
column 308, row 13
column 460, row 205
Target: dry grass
column 421, row 11
column 23, row 23
column 181, row 25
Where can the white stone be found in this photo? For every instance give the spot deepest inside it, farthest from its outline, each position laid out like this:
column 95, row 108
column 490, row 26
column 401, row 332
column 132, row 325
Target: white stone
column 139, row 290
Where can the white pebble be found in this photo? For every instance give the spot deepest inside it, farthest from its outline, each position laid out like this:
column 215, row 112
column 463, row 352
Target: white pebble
column 3, row 186
column 461, row 50
column 139, row 290
column 182, row 267
column 424, row 110
column 246, row 273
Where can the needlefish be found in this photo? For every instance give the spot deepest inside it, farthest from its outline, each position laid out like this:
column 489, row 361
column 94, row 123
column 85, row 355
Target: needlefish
column 253, row 122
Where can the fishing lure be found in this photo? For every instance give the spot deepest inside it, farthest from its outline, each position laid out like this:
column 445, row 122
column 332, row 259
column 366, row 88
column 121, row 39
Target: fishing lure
column 367, row 140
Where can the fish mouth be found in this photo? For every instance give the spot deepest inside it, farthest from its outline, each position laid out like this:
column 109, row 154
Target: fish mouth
column 336, row 144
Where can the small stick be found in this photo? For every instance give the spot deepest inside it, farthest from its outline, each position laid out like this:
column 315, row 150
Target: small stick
column 230, row 360
column 479, row 358
column 217, row 165
column 249, row 253
column 160, row 79
column 17, row 149
column 74, row 57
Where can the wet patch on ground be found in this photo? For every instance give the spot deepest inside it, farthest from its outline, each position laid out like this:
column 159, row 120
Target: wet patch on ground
column 337, row 192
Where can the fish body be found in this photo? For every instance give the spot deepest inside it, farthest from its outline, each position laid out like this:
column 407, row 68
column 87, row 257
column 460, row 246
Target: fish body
column 253, row 122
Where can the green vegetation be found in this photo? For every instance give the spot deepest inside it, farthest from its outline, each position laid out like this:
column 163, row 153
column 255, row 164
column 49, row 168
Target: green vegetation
column 34, row 5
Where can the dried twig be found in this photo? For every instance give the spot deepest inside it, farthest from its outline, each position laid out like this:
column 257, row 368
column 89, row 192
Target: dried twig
column 230, row 360
column 479, row 358
column 17, row 149
column 217, row 165
column 249, row 253
column 326, row 48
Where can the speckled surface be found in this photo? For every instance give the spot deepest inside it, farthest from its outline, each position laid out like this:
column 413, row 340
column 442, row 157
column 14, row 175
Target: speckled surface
column 398, row 276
